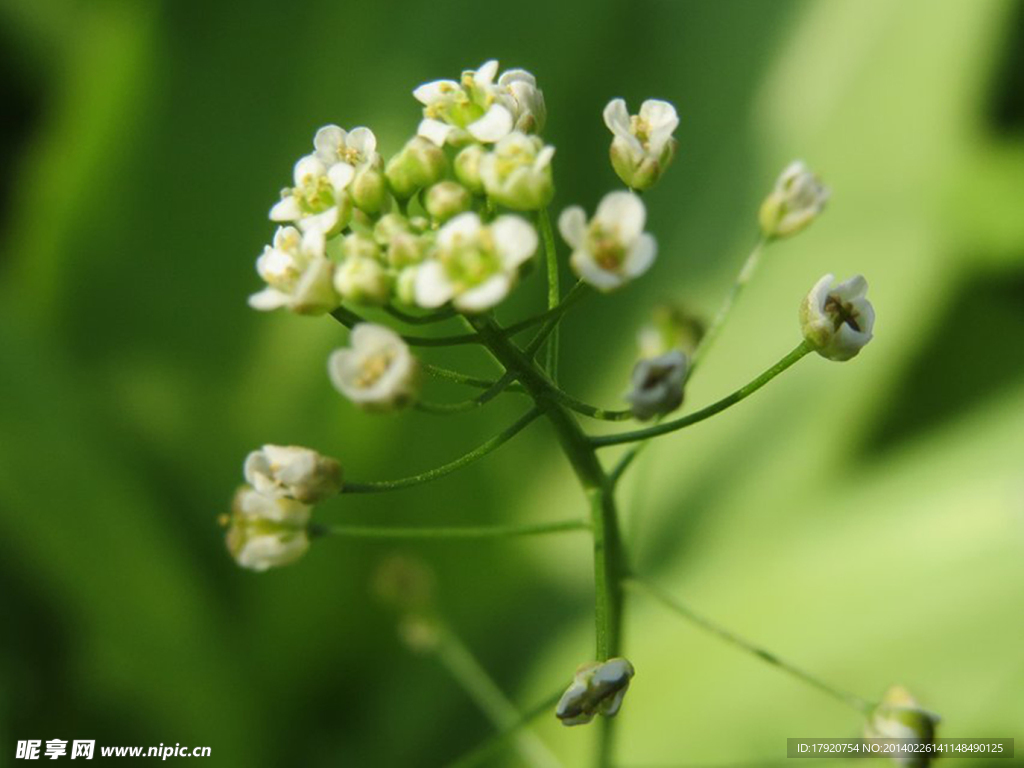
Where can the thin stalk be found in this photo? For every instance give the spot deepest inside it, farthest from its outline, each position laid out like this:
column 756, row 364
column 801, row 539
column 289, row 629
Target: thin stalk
column 348, row 318
column 576, row 293
column 485, row 753
column 446, row 374
column 486, row 694
column 434, row 317
column 551, row 323
column 586, row 409
column 746, row 273
column 740, row 394
column 554, row 295
column 425, row 477
column 676, row 606
column 474, row 533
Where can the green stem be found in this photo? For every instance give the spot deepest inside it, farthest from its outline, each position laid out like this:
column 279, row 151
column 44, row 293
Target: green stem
column 486, row 694
column 746, row 272
column 554, row 295
column 587, row 409
column 455, row 377
column 457, row 532
column 576, row 292
column 348, row 318
column 698, row 416
column 425, row 477
column 486, row 752
column 675, row 605
column 433, row 317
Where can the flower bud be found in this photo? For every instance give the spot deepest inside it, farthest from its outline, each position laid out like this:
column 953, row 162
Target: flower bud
column 837, row 321
column 797, row 199
column 294, row 472
column 642, row 147
column 405, row 286
column 405, row 241
column 467, row 168
column 378, row 372
column 670, row 328
column 447, row 199
column 369, row 190
column 517, row 174
column 266, row 531
column 597, row 689
column 362, row 280
column 419, row 164
column 899, row 716
column 658, row 384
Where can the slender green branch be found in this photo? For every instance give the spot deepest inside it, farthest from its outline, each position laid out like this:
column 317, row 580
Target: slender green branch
column 454, row 532
column 554, row 294
column 698, row 416
column 486, row 752
column 348, row 318
column 628, row 458
column 486, row 694
column 746, row 273
column 425, row 477
column 446, row 374
column 575, row 293
column 433, row 317
column 586, row 409
column 675, row 605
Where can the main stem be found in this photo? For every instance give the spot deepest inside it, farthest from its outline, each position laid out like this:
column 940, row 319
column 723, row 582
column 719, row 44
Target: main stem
column 609, row 557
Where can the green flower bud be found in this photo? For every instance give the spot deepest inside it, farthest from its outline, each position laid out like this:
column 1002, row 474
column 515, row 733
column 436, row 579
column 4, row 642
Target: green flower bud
column 899, row 716
column 467, row 168
column 357, row 245
column 517, row 174
column 446, row 199
column 597, row 689
column 670, row 328
column 419, row 164
column 362, row 280
column 797, row 199
column 369, row 190
column 406, row 241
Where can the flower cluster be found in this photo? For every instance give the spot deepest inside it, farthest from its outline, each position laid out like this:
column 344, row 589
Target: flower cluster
column 268, row 524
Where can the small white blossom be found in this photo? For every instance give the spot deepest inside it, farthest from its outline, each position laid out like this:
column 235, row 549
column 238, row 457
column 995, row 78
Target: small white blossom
column 797, row 199
column 612, row 248
column 475, row 265
column 657, row 384
column 478, row 108
column 357, row 147
column 597, row 689
column 377, row 372
column 899, row 716
column 517, row 174
column 292, row 471
column 837, row 320
column 318, row 201
column 643, row 146
column 266, row 531
column 297, row 273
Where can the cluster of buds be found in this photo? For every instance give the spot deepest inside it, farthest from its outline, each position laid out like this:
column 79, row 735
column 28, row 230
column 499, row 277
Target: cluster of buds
column 899, row 716
column 268, row 524
column 597, row 689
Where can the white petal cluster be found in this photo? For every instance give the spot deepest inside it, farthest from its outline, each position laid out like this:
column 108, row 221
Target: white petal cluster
column 297, row 273
column 294, row 472
column 377, row 372
column 837, row 320
column 899, row 716
column 657, row 384
column 597, row 689
column 612, row 248
column 474, row 265
column 357, row 147
column 643, row 146
column 479, row 108
column 318, row 202
column 798, row 198
column 265, row 531
column 517, row 173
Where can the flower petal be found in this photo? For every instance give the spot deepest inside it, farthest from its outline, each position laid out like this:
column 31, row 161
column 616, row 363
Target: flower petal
column 287, row 209
column 434, row 131
column 432, row 287
column 572, row 224
column 485, row 295
column 640, row 256
column 583, row 264
column 435, row 90
column 515, row 239
column 616, row 117
column 623, row 212
column 496, row 123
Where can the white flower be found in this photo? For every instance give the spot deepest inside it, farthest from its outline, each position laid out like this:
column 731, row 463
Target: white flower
column 475, row 266
column 378, row 372
column 297, row 273
column 292, row 471
column 837, row 321
column 597, row 689
column 642, row 147
column 517, row 174
column 797, row 199
column 357, row 147
column 477, row 108
column 612, row 248
column 657, row 384
column 899, row 716
column 266, row 531
column 318, row 201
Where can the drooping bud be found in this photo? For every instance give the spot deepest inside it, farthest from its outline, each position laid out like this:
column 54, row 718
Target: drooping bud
column 266, row 531
column 597, row 689
column 657, row 385
column 293, row 471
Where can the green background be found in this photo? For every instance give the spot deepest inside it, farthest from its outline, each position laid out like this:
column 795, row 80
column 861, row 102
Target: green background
column 864, row 520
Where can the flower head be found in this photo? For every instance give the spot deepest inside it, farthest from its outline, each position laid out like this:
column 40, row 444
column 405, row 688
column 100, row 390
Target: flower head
column 476, row 108
column 797, row 200
column 266, row 531
column 377, row 372
column 318, row 201
column 597, row 689
column 837, row 320
column 294, row 472
column 899, row 716
column 657, row 384
column 357, row 147
column 475, row 265
column 517, row 174
column 612, row 248
column 297, row 273
column 642, row 147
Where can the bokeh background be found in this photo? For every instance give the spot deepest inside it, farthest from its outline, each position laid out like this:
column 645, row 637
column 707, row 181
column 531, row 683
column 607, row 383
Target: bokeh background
column 863, row 520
